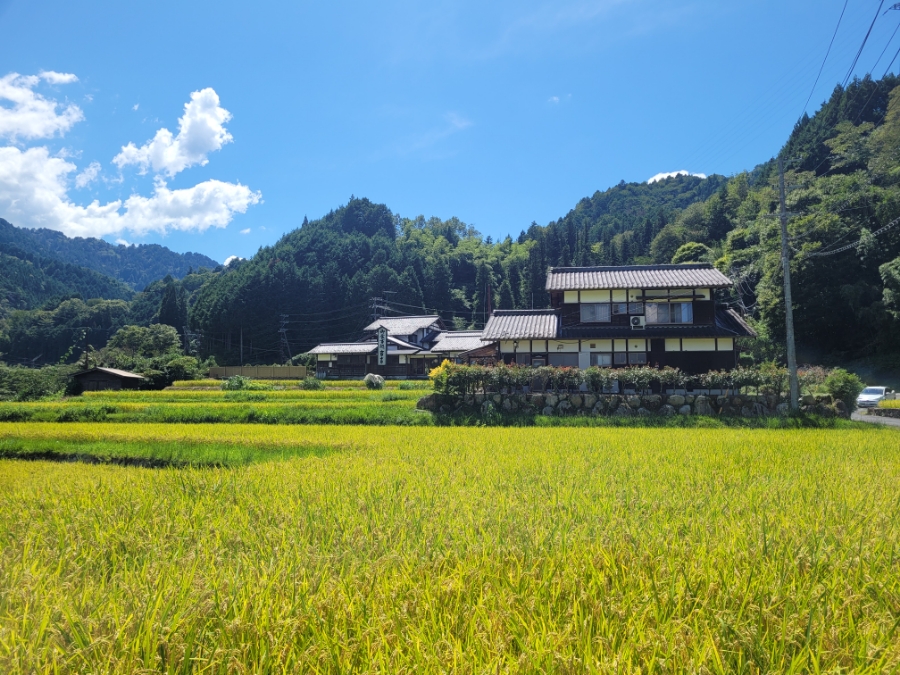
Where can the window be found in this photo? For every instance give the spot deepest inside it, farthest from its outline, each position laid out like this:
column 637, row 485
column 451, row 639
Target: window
column 539, row 361
column 594, row 312
column 670, row 312
column 635, row 307
column 601, row 359
column 620, row 308
column 637, row 358
column 564, row 360
column 620, row 358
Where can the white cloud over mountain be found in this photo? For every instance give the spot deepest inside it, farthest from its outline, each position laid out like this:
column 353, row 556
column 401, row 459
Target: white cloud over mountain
column 35, row 183
column 25, row 114
column 201, row 131
column 672, row 174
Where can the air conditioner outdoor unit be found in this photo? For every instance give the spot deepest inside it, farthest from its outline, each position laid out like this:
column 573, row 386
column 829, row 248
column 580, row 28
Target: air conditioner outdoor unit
column 638, row 322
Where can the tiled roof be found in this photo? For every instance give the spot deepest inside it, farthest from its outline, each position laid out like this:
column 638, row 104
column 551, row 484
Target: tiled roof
column 521, row 324
column 344, row 348
column 728, row 324
column 113, row 371
column 458, row 341
column 731, row 321
column 403, row 325
column 401, row 344
column 635, row 276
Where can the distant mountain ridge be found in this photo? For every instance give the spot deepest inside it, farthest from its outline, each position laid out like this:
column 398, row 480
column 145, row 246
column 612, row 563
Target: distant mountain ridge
column 28, row 280
column 137, row 266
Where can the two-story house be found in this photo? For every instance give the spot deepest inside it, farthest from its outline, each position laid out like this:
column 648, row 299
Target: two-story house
column 657, row 315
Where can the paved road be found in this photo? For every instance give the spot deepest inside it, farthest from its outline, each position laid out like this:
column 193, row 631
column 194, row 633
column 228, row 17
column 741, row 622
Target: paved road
column 872, row 419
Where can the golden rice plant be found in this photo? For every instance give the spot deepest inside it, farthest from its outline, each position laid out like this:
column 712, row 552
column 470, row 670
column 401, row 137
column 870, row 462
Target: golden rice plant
column 457, row 550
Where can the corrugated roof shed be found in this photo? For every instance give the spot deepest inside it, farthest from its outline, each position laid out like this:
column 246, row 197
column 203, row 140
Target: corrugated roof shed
column 403, row 325
column 525, row 324
column 112, row 371
column 458, row 341
column 635, row 276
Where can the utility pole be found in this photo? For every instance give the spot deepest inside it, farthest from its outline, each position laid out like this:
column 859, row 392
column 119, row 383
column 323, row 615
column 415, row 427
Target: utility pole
column 285, row 346
column 788, row 302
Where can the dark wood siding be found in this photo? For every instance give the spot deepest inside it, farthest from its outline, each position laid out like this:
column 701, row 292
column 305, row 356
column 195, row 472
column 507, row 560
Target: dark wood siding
column 704, row 313
column 100, row 381
column 570, row 315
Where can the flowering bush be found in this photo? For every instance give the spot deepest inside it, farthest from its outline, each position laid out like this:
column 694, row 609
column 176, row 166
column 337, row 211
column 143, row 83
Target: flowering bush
column 451, row 378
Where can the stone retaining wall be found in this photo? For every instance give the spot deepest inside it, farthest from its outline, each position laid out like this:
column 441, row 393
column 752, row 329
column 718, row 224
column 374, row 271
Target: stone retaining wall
column 884, row 412
column 626, row 405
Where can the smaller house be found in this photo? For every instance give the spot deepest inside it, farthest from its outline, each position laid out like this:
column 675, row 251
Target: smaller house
column 452, row 345
column 415, row 344
column 99, row 379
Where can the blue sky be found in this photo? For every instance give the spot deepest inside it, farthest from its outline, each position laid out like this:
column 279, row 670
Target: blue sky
column 498, row 113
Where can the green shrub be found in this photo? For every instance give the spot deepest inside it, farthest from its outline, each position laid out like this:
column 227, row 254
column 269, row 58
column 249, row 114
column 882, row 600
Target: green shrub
column 844, row 386
column 30, row 384
column 311, row 383
column 236, row 383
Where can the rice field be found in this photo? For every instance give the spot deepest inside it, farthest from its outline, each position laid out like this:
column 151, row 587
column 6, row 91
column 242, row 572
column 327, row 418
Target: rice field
column 894, row 403
column 344, row 405
column 338, row 549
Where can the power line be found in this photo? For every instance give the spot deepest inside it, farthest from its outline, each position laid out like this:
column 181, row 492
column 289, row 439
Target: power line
column 863, row 45
column 830, row 44
column 855, row 244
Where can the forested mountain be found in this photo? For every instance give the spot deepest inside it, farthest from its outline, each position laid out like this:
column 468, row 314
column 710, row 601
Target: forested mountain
column 28, row 280
column 324, row 275
column 321, row 281
column 137, row 266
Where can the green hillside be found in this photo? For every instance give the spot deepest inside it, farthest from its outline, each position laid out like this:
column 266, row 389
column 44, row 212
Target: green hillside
column 137, row 265
column 28, row 280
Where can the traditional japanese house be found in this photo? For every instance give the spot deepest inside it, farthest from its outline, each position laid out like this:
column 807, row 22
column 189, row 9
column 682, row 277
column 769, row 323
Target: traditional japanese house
column 657, row 315
column 409, row 339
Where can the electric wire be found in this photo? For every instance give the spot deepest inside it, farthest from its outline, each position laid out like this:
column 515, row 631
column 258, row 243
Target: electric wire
column 863, row 45
column 827, row 52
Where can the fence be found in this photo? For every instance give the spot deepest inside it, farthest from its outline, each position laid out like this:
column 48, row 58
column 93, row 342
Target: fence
column 260, row 372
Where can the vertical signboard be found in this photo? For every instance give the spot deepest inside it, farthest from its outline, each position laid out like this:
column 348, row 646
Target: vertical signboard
column 382, row 346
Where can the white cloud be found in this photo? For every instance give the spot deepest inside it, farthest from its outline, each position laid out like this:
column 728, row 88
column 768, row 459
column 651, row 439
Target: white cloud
column 57, row 78
column 136, row 106
column 230, row 259
column 553, row 99
column 122, row 242
column 33, row 193
column 201, row 130
column 88, row 176
column 245, row 231
column 30, row 115
column 672, row 174
column 34, row 183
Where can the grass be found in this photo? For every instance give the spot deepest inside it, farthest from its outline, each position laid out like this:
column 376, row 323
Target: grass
column 330, row 384
column 462, row 550
column 895, row 403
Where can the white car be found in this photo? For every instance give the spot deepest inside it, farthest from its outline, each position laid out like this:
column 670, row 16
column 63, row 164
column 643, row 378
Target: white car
column 872, row 396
